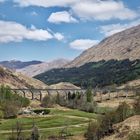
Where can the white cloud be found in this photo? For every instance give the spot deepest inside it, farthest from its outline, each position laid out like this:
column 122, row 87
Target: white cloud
column 88, row 9
column 60, row 17
column 58, row 36
column 111, row 29
column 15, row 32
column 45, row 3
column 102, row 10
column 83, row 44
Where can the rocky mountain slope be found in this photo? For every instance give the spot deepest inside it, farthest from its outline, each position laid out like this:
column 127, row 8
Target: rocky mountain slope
column 33, row 70
column 123, row 45
column 14, row 64
column 16, row 80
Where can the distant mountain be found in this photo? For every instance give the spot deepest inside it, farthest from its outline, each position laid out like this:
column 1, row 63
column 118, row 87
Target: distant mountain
column 17, row 80
column 33, row 70
column 13, row 64
column 123, row 45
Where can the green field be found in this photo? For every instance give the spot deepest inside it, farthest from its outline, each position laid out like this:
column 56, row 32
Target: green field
column 75, row 121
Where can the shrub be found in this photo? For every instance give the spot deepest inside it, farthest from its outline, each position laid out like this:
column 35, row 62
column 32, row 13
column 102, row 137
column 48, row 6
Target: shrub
column 136, row 106
column 17, row 133
column 44, row 111
column 35, row 133
column 93, row 131
column 88, row 107
column 48, row 101
column 11, row 103
column 122, row 112
column 58, row 99
column 134, row 135
column 106, row 123
column 89, row 94
column 103, row 126
column 1, row 114
column 10, row 110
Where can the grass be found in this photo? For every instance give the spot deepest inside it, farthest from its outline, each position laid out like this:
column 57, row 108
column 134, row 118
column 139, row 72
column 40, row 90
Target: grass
column 52, row 124
column 44, row 134
column 47, row 122
column 102, row 110
column 74, row 113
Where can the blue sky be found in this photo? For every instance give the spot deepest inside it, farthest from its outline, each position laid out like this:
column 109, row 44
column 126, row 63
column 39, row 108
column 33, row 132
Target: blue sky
column 51, row 29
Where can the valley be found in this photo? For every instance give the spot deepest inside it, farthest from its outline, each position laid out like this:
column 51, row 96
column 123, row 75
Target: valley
column 96, row 96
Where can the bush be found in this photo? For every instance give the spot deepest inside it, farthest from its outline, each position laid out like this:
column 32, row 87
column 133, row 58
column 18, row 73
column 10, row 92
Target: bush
column 11, row 103
column 123, row 112
column 1, row 114
column 44, row 111
column 136, row 106
column 10, row 110
column 35, row 133
column 21, row 101
column 17, row 132
column 93, row 131
column 89, row 94
column 106, row 123
column 134, row 135
column 88, row 107
column 102, row 127
column 48, row 101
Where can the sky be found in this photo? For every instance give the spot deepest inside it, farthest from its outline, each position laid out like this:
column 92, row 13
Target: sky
column 50, row 29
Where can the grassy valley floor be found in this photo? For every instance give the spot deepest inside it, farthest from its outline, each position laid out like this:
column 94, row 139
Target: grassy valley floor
column 74, row 121
column 59, row 119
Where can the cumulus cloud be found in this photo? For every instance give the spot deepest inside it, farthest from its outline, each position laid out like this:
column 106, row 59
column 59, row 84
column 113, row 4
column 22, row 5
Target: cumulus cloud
column 111, row 29
column 83, row 44
column 45, row 3
column 58, row 36
column 61, row 17
column 103, row 10
column 88, row 9
column 15, row 32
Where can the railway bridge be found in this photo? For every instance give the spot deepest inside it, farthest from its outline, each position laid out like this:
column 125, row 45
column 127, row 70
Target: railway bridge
column 40, row 92
column 98, row 94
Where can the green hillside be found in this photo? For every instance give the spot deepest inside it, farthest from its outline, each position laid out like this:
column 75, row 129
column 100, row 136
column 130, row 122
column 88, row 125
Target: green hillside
column 102, row 73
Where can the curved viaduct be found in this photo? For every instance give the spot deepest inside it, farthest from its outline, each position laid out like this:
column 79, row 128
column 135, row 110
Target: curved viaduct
column 98, row 95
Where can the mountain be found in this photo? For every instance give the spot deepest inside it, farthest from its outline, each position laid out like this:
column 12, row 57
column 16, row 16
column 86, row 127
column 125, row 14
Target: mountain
column 123, row 45
column 95, row 74
column 33, row 70
column 17, row 80
column 115, row 60
column 13, row 64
